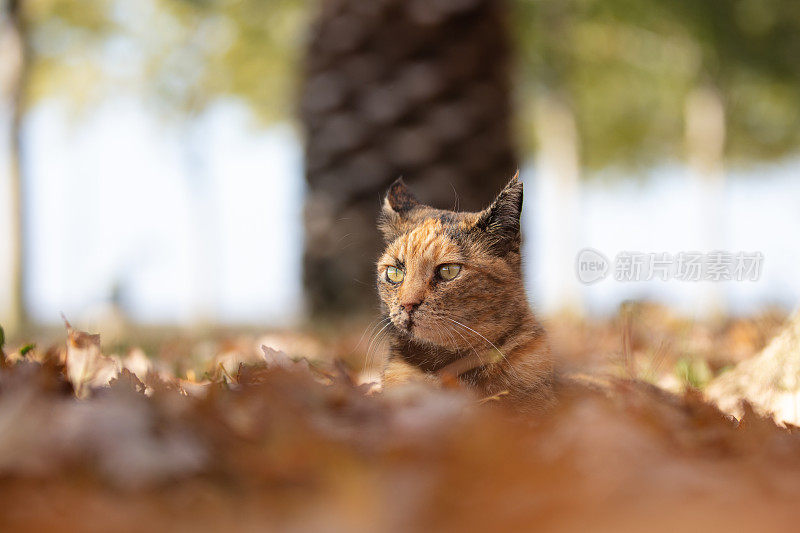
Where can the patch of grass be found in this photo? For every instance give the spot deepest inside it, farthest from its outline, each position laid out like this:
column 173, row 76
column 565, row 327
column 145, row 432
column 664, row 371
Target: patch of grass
column 694, row 372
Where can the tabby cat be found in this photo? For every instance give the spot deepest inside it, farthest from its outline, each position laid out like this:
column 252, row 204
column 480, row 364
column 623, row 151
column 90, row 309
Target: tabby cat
column 454, row 300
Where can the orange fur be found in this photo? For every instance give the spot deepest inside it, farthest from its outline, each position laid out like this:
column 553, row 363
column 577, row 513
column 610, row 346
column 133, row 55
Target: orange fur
column 478, row 323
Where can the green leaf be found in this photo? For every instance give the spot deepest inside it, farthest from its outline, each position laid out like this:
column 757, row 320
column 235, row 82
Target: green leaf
column 27, row 348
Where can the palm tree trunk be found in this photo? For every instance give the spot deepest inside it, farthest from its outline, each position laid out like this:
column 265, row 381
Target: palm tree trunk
column 397, row 88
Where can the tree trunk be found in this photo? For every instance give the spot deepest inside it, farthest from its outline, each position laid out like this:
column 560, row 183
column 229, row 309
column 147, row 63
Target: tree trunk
column 770, row 381
column 558, row 171
column 394, row 88
column 16, row 317
column 705, row 147
column 204, row 240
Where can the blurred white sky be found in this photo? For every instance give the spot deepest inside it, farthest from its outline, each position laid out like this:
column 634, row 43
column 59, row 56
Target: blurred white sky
column 667, row 212
column 111, row 203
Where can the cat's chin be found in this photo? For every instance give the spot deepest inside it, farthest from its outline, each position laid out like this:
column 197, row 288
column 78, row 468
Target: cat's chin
column 418, row 333
column 423, row 335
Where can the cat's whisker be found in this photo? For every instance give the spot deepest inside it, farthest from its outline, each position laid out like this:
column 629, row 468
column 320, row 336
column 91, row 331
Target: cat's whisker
column 511, row 367
column 370, row 337
column 442, row 328
column 437, row 317
column 439, row 339
column 376, row 343
column 470, row 345
column 375, row 338
column 477, row 352
column 452, row 338
column 368, row 358
column 371, row 326
column 479, row 335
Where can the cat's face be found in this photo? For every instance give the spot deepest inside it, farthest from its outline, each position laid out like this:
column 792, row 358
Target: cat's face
column 444, row 272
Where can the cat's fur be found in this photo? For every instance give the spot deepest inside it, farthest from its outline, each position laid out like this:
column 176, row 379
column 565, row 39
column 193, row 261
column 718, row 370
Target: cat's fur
column 478, row 327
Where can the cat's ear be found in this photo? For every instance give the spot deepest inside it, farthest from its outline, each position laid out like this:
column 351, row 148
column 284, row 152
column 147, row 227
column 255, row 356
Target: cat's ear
column 501, row 220
column 396, row 205
column 398, row 198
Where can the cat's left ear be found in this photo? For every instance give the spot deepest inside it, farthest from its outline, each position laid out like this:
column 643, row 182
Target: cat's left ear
column 501, row 220
column 397, row 203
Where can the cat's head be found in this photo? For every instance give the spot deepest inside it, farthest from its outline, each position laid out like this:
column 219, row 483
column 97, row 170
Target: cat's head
column 444, row 272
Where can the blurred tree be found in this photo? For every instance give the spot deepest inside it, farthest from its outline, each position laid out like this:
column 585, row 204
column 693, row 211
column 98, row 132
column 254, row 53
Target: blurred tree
column 750, row 53
column 614, row 83
column 182, row 79
column 626, row 69
column 31, row 73
column 421, row 89
column 15, row 56
column 581, row 106
column 543, row 31
column 417, row 89
column 622, row 81
column 747, row 54
column 244, row 50
column 200, row 51
column 181, row 55
column 209, row 49
column 741, row 99
column 635, row 83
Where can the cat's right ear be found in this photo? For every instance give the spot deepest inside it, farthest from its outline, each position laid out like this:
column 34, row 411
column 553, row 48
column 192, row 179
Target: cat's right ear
column 396, row 205
column 399, row 199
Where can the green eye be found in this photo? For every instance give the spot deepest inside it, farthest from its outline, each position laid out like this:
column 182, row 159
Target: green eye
column 448, row 272
column 394, row 274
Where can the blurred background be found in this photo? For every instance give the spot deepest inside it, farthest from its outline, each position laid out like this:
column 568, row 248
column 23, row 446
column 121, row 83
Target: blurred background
column 188, row 163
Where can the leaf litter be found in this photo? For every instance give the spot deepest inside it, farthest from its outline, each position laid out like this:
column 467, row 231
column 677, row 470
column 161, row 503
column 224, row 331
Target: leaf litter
column 263, row 441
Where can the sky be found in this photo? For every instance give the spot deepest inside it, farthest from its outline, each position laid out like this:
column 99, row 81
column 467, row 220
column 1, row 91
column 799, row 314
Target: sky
column 209, row 233
column 669, row 211
column 212, row 229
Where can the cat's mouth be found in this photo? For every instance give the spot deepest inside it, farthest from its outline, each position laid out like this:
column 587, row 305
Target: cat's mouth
column 405, row 323
column 415, row 326
column 417, row 329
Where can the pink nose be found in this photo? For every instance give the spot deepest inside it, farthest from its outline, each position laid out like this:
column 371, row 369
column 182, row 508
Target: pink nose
column 410, row 306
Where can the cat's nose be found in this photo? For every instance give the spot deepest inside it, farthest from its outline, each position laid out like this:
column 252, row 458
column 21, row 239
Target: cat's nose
column 410, row 306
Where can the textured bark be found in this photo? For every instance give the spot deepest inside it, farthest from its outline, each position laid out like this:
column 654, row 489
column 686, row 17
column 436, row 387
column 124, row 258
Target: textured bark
column 408, row 88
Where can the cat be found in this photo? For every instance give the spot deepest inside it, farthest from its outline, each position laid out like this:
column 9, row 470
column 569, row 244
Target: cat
column 453, row 297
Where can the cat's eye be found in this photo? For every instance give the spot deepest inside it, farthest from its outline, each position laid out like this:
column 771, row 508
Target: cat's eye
column 394, row 274
column 450, row 271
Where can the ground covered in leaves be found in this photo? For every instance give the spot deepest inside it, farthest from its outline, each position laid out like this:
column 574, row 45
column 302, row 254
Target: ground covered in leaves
column 254, row 439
